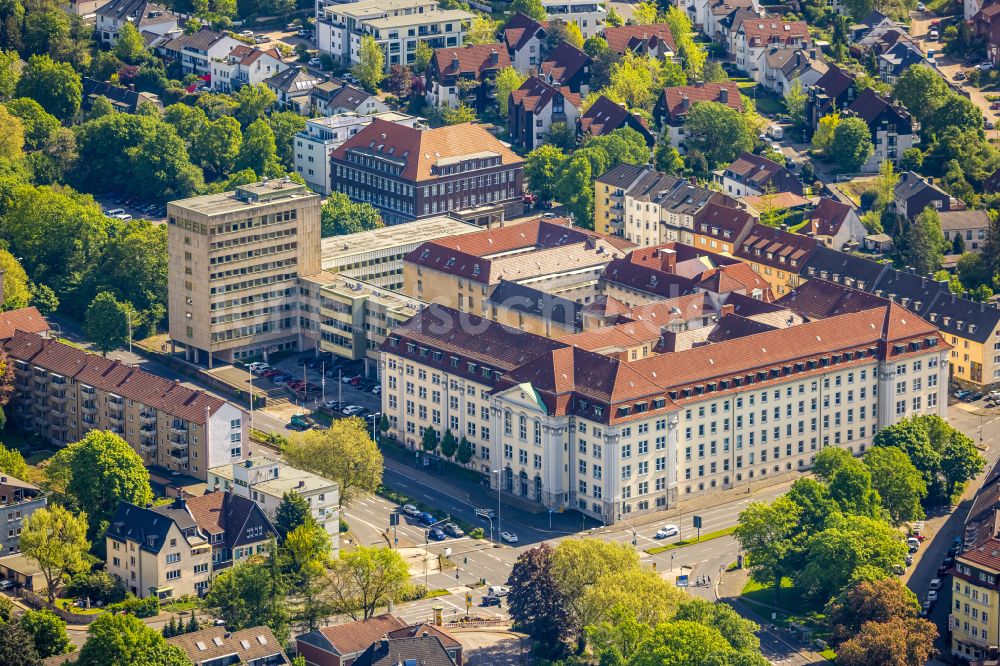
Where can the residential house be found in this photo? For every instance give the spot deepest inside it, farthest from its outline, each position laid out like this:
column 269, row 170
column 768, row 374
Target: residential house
column 410, row 173
column 709, row 15
column 720, row 228
column 835, row 224
column 196, row 52
column 892, row 128
column 567, row 68
column 783, row 67
column 776, row 255
column 655, row 40
column 897, row 59
column 425, row 650
column 832, row 93
column 215, row 646
column 524, row 38
column 986, row 26
column 609, row 197
column 660, row 208
column 144, row 15
column 604, row 117
column 465, row 75
column 675, row 102
column 754, row 175
column 62, row 392
column 266, row 480
column 913, row 193
column 992, row 183
column 344, row 644
column 329, row 98
column 18, row 500
column 755, row 35
column 235, row 526
column 873, row 21
column 972, row 225
column 158, row 551
column 396, row 25
column 245, row 65
column 588, row 15
column 293, row 88
column 535, row 106
column 122, row 99
column 316, row 142
column 83, row 8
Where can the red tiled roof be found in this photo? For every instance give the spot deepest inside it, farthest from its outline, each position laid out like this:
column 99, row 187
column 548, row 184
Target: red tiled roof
column 519, row 30
column 113, row 377
column 355, row 637
column 421, row 149
column 702, row 92
column 625, row 37
column 715, row 219
column 563, row 63
column 421, row 628
column 248, row 645
column 828, row 216
column 470, row 59
column 772, row 31
column 736, row 277
column 25, row 320
column 535, row 94
column 775, row 244
column 605, row 116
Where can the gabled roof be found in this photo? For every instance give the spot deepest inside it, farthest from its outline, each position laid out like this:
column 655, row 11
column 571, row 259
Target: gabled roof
column 146, row 527
column 911, row 184
column 673, row 98
column 139, row 12
column 226, row 513
column 762, row 172
column 520, row 29
column 470, row 59
column 623, row 175
column 25, row 320
column 424, row 628
column 563, row 63
column 124, row 97
column 216, row 643
column 202, row 40
column 956, row 220
column 605, row 116
column 355, row 637
column 828, row 216
column 535, row 94
column 423, row 650
column 247, row 55
column 834, row 82
column 819, row 299
column 773, row 31
column 293, row 81
column 774, row 247
column 342, row 96
column 419, row 151
column 992, row 184
column 869, row 106
column 716, row 219
column 826, row 263
column 628, row 37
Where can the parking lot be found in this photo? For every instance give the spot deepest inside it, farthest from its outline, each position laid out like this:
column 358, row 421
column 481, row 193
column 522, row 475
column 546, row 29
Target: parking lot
column 139, row 210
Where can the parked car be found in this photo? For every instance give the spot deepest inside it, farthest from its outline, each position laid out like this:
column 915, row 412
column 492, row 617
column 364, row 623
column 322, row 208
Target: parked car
column 972, row 397
column 246, row 33
column 935, row 584
column 256, row 366
column 909, row 559
column 933, row 34
column 509, row 537
column 314, row 62
column 437, row 534
column 932, row 596
column 333, row 404
column 411, row 511
column 498, row 591
column 352, row 410
column 960, row 76
column 921, row 7
column 490, row 600
column 377, row 389
column 667, row 531
column 961, row 393
column 427, row 519
column 913, row 543
column 6, row 584
column 485, row 514
column 451, row 529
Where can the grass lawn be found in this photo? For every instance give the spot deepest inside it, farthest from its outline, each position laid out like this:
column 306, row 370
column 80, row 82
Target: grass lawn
column 770, row 106
column 788, row 599
column 854, row 188
column 178, row 606
column 62, row 601
column 829, row 654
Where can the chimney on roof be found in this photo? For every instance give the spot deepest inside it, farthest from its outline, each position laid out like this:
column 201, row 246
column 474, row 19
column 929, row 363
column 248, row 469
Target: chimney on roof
column 180, row 502
column 724, row 95
column 668, row 260
column 494, row 57
column 727, row 309
column 685, row 102
column 454, row 61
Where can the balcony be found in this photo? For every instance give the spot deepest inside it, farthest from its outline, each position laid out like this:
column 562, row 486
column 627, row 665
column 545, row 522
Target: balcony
column 116, row 416
column 148, row 429
column 179, row 427
column 149, row 448
column 58, row 398
column 87, row 390
column 41, row 380
column 88, row 407
column 118, row 430
column 179, row 456
column 147, row 416
column 178, row 440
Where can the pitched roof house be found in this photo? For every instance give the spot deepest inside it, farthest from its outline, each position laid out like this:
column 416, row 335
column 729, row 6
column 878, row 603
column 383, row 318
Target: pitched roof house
column 535, row 106
column 913, row 193
column 123, row 100
column 146, row 16
column 835, row 224
column 328, row 98
column 834, row 91
column 465, row 74
column 293, row 88
column 568, row 67
column 753, row 175
column 214, row 646
column 755, row 35
column 605, row 116
column 892, row 128
column 654, row 40
column 344, row 644
column 672, row 107
column 524, row 36
column 235, row 526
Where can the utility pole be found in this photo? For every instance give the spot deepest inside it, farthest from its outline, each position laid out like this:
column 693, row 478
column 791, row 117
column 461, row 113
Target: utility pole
column 251, row 401
column 322, row 379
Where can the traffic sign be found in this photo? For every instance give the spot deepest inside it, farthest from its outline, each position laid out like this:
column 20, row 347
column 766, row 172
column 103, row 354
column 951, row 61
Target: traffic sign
column 468, row 599
column 682, row 580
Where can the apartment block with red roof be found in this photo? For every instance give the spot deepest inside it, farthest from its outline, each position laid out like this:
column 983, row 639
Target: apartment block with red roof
column 612, row 436
column 536, row 106
column 754, row 36
column 675, row 102
column 61, row 393
column 524, row 37
column 465, row 75
column 410, row 173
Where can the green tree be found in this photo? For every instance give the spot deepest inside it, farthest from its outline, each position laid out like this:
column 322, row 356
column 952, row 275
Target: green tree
column 482, row 30
column 911, row 160
column 714, row 73
column 683, row 643
column 47, row 630
column 249, row 595
column 851, row 488
column 12, row 463
column 285, row 125
column 650, row 600
column 899, row 484
column 537, row 601
column 422, row 56
column 795, row 102
column 57, row 541
column 54, row 85
column 852, row 144
column 307, row 544
column 463, row 113
column 635, row 81
column 38, row 125
column 579, row 563
column 765, row 533
column 667, row 159
column 130, row 46
column 956, row 113
column 15, row 282
column 368, row 577
column 429, row 440
column 344, row 453
column 97, row 473
column 107, row 322
column 123, row 640
column 16, row 646
column 507, row 81
column 718, row 131
column 878, row 601
column 449, row 444
column 10, row 72
column 614, row 19
column 292, row 512
column 216, row 146
column 340, row 216
column 925, row 243
column 465, row 451
column 532, row 8
column 12, row 140
column 562, row 136
column 575, row 189
column 370, row 68
column 921, row 90
column 645, row 13
column 960, row 462
column 738, row 631
column 894, row 643
column 541, row 167
column 252, row 102
column 259, row 150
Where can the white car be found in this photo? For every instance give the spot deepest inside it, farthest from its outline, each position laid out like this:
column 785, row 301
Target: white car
column 247, row 33
column 509, row 537
column 667, row 531
column 932, row 596
column 935, row 584
column 411, row 510
column 351, row 410
column 314, row 62
column 498, row 591
column 921, row 7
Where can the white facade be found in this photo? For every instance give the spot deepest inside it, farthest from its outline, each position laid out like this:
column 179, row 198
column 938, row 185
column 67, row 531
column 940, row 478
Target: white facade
column 150, row 18
column 528, row 57
column 234, row 72
column 588, row 15
column 397, row 26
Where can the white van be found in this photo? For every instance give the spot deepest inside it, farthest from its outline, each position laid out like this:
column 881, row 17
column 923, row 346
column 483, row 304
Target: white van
column 775, row 132
column 114, row 211
column 498, row 591
column 124, row 217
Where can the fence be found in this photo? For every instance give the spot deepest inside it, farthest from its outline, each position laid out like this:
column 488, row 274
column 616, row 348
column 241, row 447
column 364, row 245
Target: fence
column 36, row 601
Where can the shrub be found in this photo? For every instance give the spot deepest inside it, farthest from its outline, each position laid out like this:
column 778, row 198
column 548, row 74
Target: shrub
column 100, row 586
column 343, row 526
column 133, row 605
column 414, row 592
column 477, row 533
column 868, row 198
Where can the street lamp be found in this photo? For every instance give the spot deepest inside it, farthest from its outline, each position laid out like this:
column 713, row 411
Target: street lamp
column 375, row 420
column 498, row 472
